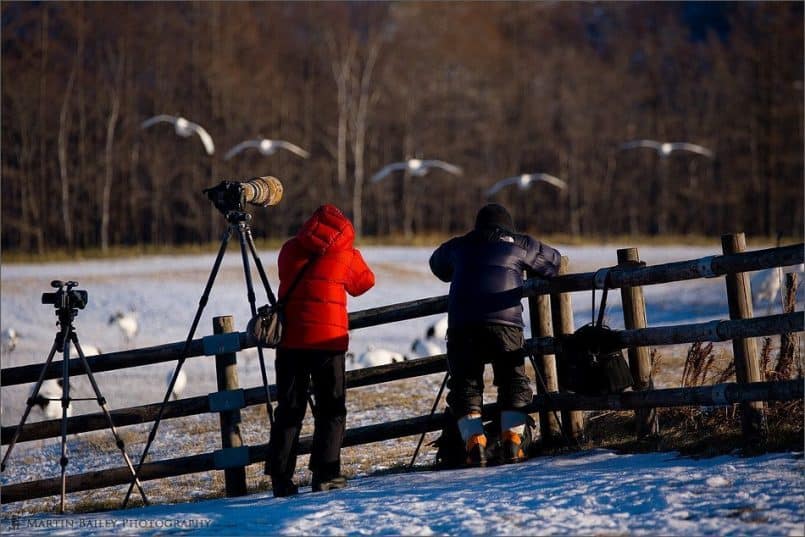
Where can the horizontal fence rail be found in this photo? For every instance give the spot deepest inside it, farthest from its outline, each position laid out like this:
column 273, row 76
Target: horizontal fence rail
column 684, row 333
column 716, row 395
column 712, row 266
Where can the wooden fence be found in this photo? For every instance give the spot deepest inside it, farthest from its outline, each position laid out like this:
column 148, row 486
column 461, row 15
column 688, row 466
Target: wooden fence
column 547, row 298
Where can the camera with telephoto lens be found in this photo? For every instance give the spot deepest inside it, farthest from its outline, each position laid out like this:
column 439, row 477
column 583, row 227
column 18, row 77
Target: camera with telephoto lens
column 66, row 296
column 228, row 196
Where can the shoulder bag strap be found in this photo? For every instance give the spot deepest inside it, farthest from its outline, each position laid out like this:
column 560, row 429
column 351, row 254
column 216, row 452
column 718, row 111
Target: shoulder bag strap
column 296, row 280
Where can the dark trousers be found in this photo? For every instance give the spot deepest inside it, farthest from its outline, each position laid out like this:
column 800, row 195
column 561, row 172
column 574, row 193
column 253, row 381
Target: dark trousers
column 295, row 370
column 468, row 348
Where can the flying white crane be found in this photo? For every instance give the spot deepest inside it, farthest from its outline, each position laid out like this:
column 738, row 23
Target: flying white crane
column 266, row 147
column 416, row 167
column 525, row 180
column 184, row 128
column 664, row 149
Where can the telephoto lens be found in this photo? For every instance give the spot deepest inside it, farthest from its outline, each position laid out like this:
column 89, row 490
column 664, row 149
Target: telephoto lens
column 262, row 191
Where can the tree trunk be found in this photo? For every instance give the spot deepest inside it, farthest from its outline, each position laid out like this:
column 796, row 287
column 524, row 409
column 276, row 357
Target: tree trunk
column 65, row 181
column 361, row 119
column 111, row 123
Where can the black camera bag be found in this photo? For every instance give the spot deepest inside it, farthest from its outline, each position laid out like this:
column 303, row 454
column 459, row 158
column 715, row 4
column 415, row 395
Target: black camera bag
column 592, row 361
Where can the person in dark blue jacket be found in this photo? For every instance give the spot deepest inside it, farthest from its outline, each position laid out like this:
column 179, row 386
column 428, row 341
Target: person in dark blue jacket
column 485, row 269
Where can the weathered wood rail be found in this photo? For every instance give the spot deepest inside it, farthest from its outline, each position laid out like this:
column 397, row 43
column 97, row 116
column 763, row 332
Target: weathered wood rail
column 719, row 394
column 623, row 276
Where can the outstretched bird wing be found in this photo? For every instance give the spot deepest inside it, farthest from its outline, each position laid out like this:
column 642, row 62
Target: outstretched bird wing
column 653, row 144
column 241, row 147
column 550, row 179
column 455, row 170
column 695, row 148
column 503, row 183
column 387, row 169
column 157, row 119
column 292, row 148
column 206, row 139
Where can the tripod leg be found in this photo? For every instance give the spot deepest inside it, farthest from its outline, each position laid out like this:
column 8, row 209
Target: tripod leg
column 244, row 232
column 29, row 405
column 259, row 264
column 102, row 403
column 544, row 389
column 432, row 410
column 202, row 302
column 65, row 403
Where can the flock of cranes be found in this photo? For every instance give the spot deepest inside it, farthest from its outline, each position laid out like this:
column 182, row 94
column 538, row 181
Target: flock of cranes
column 415, row 167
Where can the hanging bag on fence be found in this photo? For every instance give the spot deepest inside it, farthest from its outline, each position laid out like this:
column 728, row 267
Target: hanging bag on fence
column 268, row 325
column 592, row 362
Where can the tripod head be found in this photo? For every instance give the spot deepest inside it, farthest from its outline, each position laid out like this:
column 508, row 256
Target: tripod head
column 66, row 300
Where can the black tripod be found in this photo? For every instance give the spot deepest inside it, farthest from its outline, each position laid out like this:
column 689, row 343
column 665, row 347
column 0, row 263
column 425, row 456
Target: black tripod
column 67, row 302
column 238, row 220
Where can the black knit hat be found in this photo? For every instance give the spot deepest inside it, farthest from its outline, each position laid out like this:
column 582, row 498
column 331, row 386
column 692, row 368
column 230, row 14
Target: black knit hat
column 492, row 215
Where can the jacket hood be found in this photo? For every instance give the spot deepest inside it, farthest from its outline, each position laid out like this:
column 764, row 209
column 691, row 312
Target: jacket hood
column 327, row 229
column 494, row 215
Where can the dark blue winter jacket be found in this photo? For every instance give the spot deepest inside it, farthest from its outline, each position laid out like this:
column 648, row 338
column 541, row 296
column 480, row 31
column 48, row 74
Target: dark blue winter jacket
column 485, row 270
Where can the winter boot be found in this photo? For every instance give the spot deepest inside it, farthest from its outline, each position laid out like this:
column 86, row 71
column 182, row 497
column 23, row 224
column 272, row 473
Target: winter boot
column 337, row 482
column 472, row 432
column 476, row 451
column 514, row 436
column 283, row 488
column 511, row 448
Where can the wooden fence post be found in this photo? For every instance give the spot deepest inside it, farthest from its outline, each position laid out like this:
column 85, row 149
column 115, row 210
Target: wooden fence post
column 562, row 315
column 539, row 311
column 634, row 316
column 226, row 371
column 747, row 363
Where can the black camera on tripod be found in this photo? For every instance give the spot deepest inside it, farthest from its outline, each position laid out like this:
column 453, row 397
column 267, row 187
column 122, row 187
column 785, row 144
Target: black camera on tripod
column 230, row 196
column 66, row 297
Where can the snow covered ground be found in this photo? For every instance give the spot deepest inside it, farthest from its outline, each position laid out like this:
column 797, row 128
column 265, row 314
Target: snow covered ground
column 591, row 492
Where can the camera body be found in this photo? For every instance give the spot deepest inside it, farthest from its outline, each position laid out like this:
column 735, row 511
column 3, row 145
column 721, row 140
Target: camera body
column 226, row 196
column 66, row 297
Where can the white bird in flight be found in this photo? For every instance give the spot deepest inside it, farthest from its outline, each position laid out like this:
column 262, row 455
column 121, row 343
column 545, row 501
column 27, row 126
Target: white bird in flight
column 525, row 180
column 184, row 128
column 416, row 167
column 666, row 148
column 266, row 147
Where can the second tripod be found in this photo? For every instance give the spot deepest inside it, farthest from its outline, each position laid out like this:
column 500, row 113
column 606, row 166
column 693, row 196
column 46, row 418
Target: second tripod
column 67, row 302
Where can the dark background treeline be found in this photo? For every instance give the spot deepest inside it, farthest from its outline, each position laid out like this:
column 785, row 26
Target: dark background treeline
column 496, row 88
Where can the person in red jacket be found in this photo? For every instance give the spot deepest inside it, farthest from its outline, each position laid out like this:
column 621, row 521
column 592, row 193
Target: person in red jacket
column 313, row 346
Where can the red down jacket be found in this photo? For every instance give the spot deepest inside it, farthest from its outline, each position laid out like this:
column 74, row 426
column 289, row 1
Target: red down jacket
column 316, row 311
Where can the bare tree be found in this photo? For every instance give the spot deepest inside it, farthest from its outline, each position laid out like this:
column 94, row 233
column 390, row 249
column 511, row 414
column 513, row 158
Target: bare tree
column 67, row 222
column 117, row 66
column 365, row 98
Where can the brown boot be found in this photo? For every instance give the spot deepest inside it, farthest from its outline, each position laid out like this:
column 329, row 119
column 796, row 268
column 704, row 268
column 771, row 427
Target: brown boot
column 476, row 451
